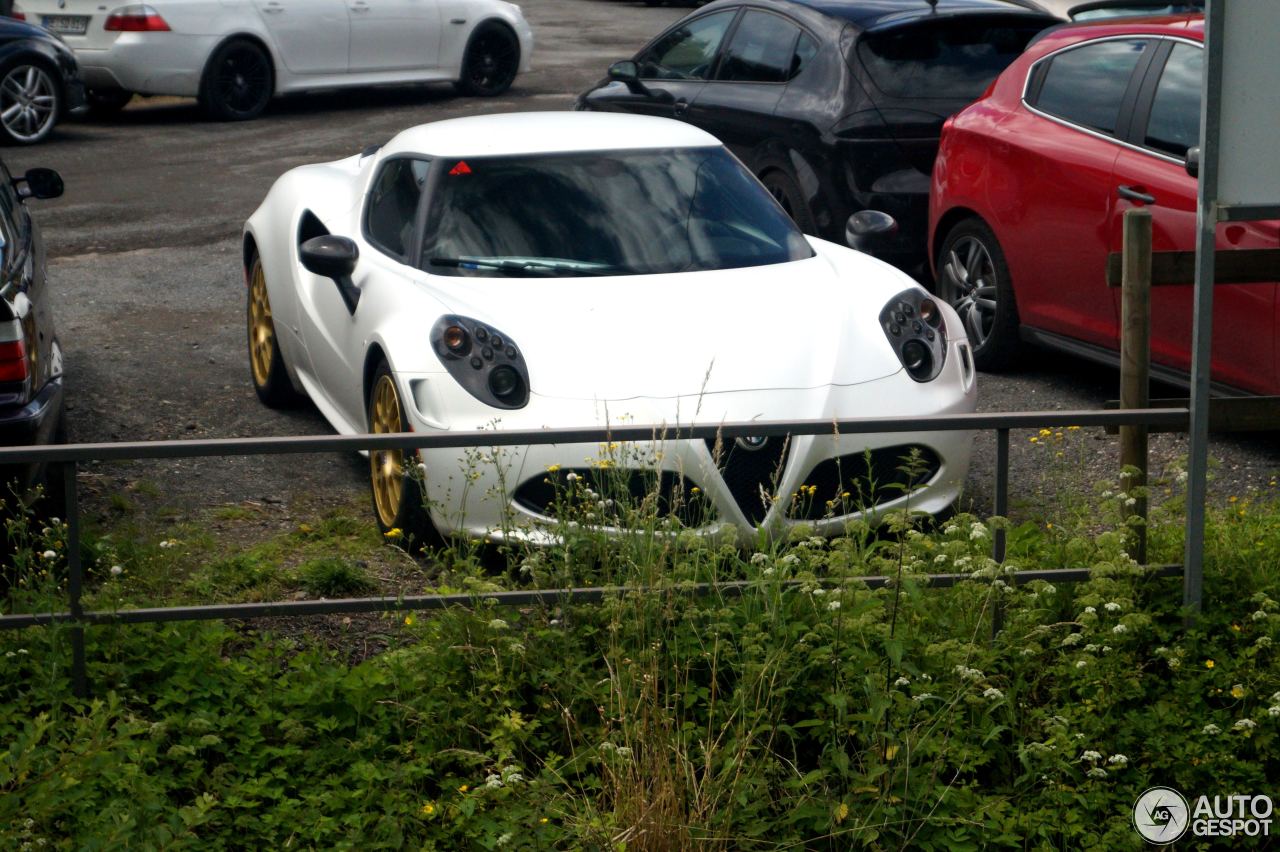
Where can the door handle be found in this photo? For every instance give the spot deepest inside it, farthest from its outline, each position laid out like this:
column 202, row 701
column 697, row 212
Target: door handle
column 680, row 107
column 1135, row 194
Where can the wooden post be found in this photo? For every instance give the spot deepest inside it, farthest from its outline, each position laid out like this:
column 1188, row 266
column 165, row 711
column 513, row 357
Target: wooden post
column 1135, row 362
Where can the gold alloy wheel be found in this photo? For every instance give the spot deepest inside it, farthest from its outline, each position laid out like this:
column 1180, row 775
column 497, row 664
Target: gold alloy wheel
column 262, row 333
column 386, row 467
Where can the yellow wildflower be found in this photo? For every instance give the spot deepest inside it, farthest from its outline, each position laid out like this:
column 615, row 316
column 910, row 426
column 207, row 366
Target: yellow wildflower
column 1208, row 664
column 408, row 620
column 1237, row 691
column 1035, row 440
column 1233, row 498
column 394, row 532
column 1044, row 433
column 1073, row 428
column 464, row 788
column 428, row 809
column 552, row 468
column 842, row 812
column 542, row 821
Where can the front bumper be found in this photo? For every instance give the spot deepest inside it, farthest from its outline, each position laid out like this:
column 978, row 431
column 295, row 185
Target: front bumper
column 726, row 491
column 32, row 424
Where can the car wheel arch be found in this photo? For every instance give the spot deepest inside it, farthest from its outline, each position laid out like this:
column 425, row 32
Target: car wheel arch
column 249, row 250
column 372, row 360
column 946, row 222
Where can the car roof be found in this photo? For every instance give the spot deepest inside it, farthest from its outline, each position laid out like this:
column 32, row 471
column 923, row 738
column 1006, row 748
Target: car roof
column 515, row 133
column 1189, row 25
column 884, row 14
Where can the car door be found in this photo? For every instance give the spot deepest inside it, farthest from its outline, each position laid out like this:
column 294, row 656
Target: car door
column 310, row 36
column 673, row 68
column 737, row 105
column 1055, row 231
column 1153, row 175
column 334, row 337
column 22, row 273
column 394, row 35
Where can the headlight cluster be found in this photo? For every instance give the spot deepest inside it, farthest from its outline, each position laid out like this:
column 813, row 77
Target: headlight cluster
column 913, row 323
column 486, row 362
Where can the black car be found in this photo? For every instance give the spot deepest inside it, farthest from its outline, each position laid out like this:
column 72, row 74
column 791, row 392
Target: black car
column 39, row 82
column 836, row 105
column 30, row 358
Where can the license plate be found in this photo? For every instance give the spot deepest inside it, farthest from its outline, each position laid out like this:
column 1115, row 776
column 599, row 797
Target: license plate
column 67, row 24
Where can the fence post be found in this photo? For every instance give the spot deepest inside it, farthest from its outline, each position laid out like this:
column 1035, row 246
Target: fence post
column 1135, row 364
column 79, row 680
column 1002, row 511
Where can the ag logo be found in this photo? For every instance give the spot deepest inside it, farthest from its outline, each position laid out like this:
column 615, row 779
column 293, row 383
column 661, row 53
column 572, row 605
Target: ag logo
column 1161, row 815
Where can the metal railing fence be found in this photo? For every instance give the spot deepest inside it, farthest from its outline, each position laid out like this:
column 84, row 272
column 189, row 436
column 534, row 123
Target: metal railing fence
column 68, row 457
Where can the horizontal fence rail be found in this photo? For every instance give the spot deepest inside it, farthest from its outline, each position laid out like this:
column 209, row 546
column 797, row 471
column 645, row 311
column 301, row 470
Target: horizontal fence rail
column 68, row 456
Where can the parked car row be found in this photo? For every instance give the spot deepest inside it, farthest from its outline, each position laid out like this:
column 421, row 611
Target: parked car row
column 235, row 55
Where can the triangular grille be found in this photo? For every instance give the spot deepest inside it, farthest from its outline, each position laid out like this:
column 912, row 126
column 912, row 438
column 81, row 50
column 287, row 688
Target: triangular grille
column 752, row 474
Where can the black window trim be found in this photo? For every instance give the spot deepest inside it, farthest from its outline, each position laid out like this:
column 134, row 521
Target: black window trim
column 715, row 60
column 733, row 30
column 1147, row 96
column 1137, row 78
column 415, row 246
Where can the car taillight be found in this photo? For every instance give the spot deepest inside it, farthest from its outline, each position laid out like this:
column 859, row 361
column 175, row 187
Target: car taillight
column 18, row 15
column 135, row 19
column 13, row 353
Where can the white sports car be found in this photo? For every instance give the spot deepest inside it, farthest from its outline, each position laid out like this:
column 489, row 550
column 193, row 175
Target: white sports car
column 235, row 54
column 537, row 270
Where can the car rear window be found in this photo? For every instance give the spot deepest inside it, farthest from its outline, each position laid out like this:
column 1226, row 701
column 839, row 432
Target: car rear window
column 945, row 58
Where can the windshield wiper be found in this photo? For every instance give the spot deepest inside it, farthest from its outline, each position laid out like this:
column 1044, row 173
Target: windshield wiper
column 535, row 267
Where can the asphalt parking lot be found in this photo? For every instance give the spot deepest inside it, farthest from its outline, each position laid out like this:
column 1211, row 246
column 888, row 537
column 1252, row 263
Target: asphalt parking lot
column 144, row 261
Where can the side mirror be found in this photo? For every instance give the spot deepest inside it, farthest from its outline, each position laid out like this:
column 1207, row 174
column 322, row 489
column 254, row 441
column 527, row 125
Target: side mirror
column 628, row 71
column 1193, row 161
column 39, row 183
column 869, row 230
column 333, row 257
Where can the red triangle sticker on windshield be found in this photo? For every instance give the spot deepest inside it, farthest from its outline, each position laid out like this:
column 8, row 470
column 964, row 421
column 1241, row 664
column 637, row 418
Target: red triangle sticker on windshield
column 461, row 169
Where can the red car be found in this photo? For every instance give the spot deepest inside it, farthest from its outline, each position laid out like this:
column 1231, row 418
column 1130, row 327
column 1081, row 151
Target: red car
column 1032, row 180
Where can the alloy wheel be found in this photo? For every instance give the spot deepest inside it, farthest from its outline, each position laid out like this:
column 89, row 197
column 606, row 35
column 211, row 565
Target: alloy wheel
column 261, row 330
column 491, row 61
column 386, row 467
column 968, row 283
column 28, row 103
column 242, row 78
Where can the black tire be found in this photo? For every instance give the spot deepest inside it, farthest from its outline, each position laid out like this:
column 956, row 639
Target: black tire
column 973, row 278
column 104, row 103
column 238, row 81
column 490, row 62
column 31, row 92
column 267, row 369
column 398, row 501
column 785, row 189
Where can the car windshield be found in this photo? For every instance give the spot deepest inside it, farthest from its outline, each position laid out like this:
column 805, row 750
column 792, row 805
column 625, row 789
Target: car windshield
column 603, row 213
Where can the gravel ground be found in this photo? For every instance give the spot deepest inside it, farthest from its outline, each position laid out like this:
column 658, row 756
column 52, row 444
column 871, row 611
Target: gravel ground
column 150, row 296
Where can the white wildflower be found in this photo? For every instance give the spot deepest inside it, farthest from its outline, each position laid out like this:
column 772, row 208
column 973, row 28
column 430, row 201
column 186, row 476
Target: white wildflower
column 116, row 570
column 816, row 541
column 1081, row 663
column 1119, row 628
column 902, row 681
column 1131, row 501
column 833, row 605
column 624, row 751
column 940, row 559
column 967, row 673
column 1049, row 589
column 1117, row 760
column 1275, row 698
column 950, row 529
column 1111, row 606
column 992, row 693
column 925, row 696
column 571, row 477
column 768, row 572
column 1107, row 494
column 1091, row 756
column 1091, row 648
column 1244, row 725
column 1211, row 730
column 1097, row 772
column 1090, row 610
column 504, row 838
column 49, row 554
column 1161, row 651
column 1071, row 639
column 1263, row 642
column 492, row 782
column 497, row 624
column 1181, row 478
column 759, row 558
column 1274, row 711
column 1259, row 615
column 1105, row 649
column 789, row 560
column 817, row 593
column 977, row 532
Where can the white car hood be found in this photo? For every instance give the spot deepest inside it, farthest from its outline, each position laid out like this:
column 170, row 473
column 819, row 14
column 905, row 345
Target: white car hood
column 806, row 324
